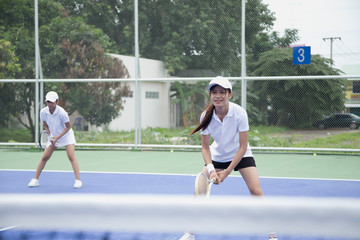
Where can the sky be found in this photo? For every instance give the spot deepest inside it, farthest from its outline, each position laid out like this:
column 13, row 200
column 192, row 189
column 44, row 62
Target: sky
column 319, row 19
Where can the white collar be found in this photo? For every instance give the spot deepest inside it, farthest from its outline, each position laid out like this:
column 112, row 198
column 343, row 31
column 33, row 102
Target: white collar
column 230, row 112
column 55, row 111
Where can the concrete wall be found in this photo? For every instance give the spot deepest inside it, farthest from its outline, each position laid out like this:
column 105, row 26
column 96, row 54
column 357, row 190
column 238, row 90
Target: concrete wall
column 155, row 112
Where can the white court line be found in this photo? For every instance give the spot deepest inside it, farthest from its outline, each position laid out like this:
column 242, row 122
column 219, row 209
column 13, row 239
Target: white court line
column 8, row 228
column 182, row 174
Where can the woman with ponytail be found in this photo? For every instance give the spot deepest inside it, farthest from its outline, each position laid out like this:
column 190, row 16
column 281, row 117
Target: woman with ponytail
column 227, row 123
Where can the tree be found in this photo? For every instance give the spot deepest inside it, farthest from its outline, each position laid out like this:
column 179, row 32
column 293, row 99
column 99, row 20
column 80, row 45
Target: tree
column 115, row 18
column 184, row 34
column 9, row 68
column 70, row 49
column 202, row 34
column 291, row 36
column 17, row 27
column 297, row 102
column 74, row 50
column 189, row 96
column 267, row 41
column 264, row 42
column 9, row 62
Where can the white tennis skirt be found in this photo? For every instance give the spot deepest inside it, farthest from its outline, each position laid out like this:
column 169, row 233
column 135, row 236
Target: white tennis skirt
column 67, row 139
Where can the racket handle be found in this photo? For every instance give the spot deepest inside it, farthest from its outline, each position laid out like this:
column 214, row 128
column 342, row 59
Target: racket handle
column 213, row 180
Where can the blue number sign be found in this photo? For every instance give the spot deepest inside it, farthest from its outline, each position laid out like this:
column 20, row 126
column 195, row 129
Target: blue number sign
column 301, row 55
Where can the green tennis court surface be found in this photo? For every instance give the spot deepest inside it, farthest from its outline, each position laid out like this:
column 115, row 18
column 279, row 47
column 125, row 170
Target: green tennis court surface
column 269, row 165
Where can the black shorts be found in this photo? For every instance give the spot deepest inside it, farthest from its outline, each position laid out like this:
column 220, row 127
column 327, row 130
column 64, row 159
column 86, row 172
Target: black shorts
column 244, row 163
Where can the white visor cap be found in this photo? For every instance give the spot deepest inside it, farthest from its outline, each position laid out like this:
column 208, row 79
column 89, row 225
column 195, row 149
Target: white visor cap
column 221, row 81
column 51, row 96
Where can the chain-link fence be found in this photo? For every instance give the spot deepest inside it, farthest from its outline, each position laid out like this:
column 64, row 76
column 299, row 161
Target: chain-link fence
column 170, row 109
column 182, row 46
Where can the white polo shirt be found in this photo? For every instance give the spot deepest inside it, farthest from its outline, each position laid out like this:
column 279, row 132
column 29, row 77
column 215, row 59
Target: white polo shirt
column 226, row 133
column 56, row 123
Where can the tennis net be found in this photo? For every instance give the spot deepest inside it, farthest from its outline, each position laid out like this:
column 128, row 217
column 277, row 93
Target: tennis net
column 140, row 217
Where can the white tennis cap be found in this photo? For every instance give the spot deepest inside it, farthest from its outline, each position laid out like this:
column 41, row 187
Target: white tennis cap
column 51, row 96
column 221, row 81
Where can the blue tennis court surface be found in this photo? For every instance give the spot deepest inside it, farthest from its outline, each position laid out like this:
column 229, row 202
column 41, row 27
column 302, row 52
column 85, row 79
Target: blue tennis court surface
column 132, row 183
column 15, row 181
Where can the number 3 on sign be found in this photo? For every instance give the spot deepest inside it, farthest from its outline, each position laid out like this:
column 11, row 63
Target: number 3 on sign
column 301, row 55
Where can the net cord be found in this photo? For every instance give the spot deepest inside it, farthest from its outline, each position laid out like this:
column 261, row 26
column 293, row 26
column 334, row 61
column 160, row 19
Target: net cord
column 332, row 217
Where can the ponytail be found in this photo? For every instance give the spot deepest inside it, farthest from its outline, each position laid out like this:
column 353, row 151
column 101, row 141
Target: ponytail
column 206, row 120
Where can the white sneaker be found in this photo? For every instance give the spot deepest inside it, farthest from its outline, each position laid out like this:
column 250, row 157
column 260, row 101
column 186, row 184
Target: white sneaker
column 188, row 236
column 34, row 183
column 78, row 184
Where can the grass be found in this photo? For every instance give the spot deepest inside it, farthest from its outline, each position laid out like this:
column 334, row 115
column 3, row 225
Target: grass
column 15, row 135
column 148, row 136
column 259, row 136
column 344, row 140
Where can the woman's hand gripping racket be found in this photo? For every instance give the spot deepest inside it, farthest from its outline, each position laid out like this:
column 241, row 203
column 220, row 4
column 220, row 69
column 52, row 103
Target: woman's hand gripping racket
column 203, row 185
column 45, row 140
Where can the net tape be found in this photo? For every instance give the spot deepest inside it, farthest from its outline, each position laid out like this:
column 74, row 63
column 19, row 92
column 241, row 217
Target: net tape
column 159, row 213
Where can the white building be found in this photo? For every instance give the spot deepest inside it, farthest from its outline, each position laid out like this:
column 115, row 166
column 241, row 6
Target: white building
column 352, row 101
column 155, row 97
column 155, row 100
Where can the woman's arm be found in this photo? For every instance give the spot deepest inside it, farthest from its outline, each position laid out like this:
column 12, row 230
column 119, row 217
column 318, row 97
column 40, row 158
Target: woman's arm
column 67, row 128
column 205, row 139
column 205, row 148
column 243, row 141
column 46, row 128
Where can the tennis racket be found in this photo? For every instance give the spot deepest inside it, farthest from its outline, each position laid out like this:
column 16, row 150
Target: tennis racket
column 45, row 139
column 203, row 185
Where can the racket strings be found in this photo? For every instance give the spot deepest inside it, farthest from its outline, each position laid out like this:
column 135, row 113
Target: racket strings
column 202, row 185
column 44, row 139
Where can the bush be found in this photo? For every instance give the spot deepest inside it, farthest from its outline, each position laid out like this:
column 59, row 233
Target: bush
column 15, row 135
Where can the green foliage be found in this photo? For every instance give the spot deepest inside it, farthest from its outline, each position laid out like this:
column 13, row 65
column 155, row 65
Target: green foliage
column 291, row 36
column 6, row 110
column 344, row 140
column 17, row 27
column 296, row 103
column 189, row 95
column 104, row 137
column 183, row 34
column 70, row 48
column 9, row 68
column 16, row 13
column 73, row 49
column 259, row 136
column 75, row 35
column 15, row 135
column 114, row 17
column 9, row 62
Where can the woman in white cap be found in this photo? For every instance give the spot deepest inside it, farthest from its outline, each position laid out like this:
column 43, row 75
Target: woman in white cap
column 227, row 123
column 57, row 124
